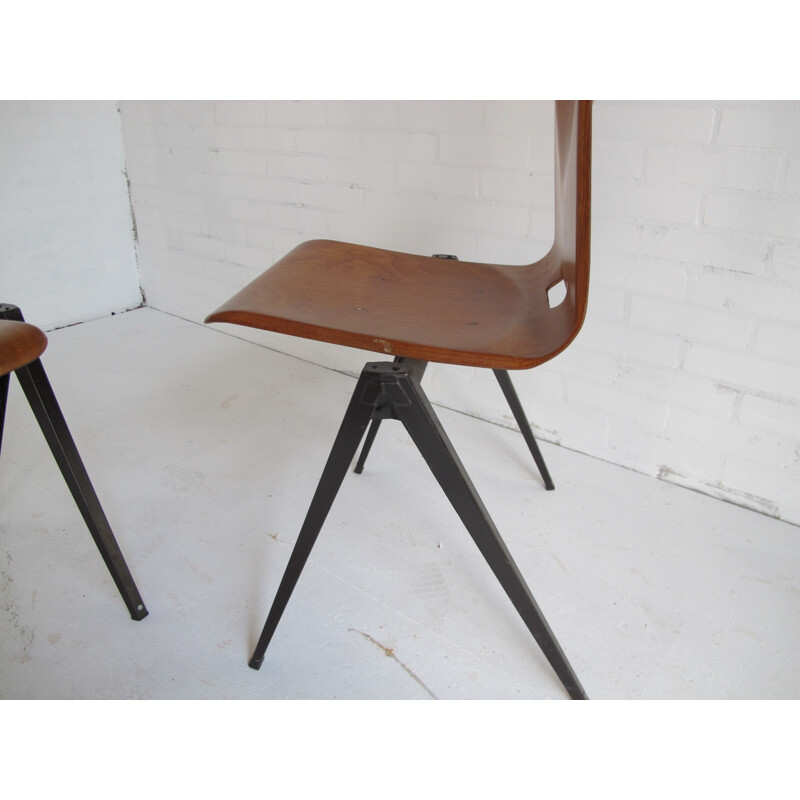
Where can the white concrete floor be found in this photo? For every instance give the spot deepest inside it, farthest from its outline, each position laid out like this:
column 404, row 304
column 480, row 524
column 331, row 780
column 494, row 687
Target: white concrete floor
column 205, row 451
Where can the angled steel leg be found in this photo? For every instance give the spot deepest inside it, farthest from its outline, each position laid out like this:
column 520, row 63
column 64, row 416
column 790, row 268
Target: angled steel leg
column 371, row 434
column 431, row 440
column 392, row 390
column 347, row 440
column 7, row 311
column 504, row 379
column 45, row 407
column 3, row 399
column 48, row 414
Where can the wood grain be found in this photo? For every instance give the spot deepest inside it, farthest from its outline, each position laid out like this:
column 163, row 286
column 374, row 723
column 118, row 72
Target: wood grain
column 20, row 343
column 455, row 312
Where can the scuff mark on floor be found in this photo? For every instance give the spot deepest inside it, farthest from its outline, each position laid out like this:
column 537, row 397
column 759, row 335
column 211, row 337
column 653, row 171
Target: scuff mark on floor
column 559, row 562
column 390, row 652
column 26, row 634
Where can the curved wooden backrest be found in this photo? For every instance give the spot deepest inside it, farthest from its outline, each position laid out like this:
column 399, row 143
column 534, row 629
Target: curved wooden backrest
column 573, row 188
column 569, row 258
column 20, row 343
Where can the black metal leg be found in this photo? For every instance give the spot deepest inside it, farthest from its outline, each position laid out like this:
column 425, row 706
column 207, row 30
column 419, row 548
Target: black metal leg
column 431, row 440
column 3, row 399
column 345, row 446
column 7, row 311
column 504, row 379
column 387, row 390
column 371, row 434
column 48, row 414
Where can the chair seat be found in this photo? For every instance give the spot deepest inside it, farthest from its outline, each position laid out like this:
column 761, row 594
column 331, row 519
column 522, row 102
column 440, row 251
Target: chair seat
column 433, row 309
column 20, row 343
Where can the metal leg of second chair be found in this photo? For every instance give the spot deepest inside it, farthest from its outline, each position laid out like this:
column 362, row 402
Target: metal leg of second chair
column 45, row 407
column 3, row 401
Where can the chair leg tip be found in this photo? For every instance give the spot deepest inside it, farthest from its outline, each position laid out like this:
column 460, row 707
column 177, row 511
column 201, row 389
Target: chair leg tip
column 139, row 613
column 255, row 663
column 575, row 690
column 549, row 486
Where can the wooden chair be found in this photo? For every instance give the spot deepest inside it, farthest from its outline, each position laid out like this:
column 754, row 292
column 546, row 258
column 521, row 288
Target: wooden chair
column 420, row 309
column 21, row 345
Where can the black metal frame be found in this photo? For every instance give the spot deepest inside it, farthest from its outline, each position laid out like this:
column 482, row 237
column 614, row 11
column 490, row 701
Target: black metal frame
column 45, row 407
column 504, row 379
column 392, row 390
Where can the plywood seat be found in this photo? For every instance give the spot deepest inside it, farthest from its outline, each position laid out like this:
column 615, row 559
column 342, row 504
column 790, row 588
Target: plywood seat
column 400, row 304
column 20, row 343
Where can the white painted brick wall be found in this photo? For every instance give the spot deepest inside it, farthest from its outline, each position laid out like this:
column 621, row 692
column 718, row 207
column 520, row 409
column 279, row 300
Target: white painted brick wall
column 67, row 250
column 688, row 367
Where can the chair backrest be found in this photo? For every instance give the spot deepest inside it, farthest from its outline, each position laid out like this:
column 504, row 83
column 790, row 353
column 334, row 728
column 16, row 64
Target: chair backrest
column 573, row 171
column 568, row 260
